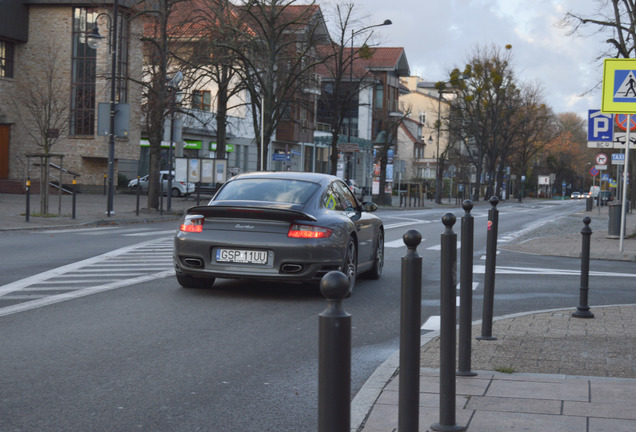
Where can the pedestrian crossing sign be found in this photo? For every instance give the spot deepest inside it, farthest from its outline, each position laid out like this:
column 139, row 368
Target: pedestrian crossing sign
column 619, row 86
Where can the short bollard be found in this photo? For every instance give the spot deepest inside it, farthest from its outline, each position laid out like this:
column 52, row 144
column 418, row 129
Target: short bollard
column 334, row 362
column 583, row 309
column 466, row 292
column 447, row 347
column 489, row 277
column 28, row 198
column 410, row 330
column 74, row 195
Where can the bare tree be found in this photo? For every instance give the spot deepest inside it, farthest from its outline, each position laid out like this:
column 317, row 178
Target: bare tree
column 41, row 104
column 342, row 80
column 214, row 22
column 277, row 58
column 486, row 91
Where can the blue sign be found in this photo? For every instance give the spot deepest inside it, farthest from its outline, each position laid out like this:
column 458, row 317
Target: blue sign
column 600, row 126
column 280, row 157
column 605, row 177
column 624, row 86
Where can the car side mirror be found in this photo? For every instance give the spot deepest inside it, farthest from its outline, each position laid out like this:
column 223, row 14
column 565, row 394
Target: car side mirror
column 369, row 206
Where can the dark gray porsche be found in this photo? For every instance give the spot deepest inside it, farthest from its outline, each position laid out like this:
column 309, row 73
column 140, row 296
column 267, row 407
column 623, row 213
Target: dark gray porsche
column 279, row 226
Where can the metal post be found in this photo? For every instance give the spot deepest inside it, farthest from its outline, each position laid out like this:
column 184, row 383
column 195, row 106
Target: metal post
column 447, row 389
column 74, row 195
column 583, row 309
column 113, row 110
column 334, row 363
column 138, row 195
column 489, row 277
column 169, row 196
column 410, row 323
column 28, row 198
column 160, row 196
column 466, row 292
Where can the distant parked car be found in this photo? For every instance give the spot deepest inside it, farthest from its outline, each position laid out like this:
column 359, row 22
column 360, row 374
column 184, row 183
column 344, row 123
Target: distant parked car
column 178, row 187
column 357, row 190
column 575, row 195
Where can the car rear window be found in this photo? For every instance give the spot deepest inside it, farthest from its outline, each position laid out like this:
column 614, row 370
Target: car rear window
column 272, row 190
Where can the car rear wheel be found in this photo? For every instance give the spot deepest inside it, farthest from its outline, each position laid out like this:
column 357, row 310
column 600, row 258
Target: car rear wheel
column 176, row 192
column 194, row 282
column 350, row 265
column 378, row 260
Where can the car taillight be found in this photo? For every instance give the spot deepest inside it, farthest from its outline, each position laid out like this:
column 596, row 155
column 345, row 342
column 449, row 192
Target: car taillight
column 192, row 224
column 308, row 231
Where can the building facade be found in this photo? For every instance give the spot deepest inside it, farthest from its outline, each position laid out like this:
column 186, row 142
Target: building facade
column 45, row 51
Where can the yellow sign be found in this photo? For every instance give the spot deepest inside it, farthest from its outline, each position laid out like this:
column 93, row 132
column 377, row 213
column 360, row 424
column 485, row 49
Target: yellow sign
column 619, row 86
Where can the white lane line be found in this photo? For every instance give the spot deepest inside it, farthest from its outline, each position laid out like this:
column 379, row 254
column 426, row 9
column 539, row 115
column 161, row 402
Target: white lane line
column 401, row 224
column 432, row 323
column 150, row 233
column 439, row 246
column 478, row 269
column 396, row 243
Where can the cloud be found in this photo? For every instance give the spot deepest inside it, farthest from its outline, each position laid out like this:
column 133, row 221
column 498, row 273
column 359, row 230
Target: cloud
column 439, row 36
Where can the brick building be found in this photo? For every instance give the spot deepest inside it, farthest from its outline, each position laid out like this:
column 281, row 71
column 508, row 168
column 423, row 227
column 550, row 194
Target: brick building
column 46, row 65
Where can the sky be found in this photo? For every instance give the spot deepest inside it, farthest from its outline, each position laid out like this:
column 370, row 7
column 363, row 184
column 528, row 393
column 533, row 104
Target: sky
column 439, row 35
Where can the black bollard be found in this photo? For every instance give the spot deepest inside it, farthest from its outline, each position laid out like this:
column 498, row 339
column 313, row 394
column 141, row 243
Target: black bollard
column 447, row 347
column 466, row 292
column 489, row 277
column 28, row 198
column 410, row 330
column 583, row 309
column 334, row 362
column 74, row 195
column 138, row 195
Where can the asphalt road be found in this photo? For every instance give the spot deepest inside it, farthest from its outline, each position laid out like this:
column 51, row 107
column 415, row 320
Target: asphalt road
column 237, row 357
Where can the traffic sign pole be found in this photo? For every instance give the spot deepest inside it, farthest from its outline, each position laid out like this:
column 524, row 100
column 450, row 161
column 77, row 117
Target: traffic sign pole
column 624, row 203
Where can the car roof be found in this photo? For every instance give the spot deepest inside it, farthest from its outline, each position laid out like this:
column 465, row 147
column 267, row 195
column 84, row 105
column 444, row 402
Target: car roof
column 288, row 175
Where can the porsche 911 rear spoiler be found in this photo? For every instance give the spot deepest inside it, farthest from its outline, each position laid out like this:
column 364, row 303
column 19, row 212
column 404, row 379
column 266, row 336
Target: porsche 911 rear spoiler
column 274, row 212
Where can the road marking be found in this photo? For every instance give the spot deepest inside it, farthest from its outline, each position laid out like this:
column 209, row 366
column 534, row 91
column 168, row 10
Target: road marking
column 439, row 246
column 122, row 267
column 479, row 269
column 432, row 323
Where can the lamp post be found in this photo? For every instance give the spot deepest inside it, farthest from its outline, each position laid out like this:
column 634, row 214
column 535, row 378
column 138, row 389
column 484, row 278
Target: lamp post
column 348, row 154
column 173, row 85
column 93, row 38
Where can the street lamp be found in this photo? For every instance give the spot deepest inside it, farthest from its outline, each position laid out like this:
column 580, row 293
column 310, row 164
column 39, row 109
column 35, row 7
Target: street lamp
column 173, row 85
column 348, row 155
column 92, row 41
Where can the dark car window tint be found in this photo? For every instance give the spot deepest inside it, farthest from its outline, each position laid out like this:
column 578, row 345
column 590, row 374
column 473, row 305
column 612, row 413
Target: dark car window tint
column 347, row 198
column 273, row 190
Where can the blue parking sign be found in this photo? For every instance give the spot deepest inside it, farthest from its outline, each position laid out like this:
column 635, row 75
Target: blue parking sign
column 600, row 126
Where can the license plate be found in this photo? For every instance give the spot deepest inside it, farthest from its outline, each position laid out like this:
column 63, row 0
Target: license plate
column 241, row 256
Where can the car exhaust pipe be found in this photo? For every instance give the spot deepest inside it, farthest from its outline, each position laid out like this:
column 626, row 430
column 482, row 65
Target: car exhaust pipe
column 193, row 262
column 291, row 268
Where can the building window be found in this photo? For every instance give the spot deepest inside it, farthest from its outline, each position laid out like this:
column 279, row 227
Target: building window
column 201, row 100
column 6, row 59
column 83, row 74
column 378, row 102
column 422, row 117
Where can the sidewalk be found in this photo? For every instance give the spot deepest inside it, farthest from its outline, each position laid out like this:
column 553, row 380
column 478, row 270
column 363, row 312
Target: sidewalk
column 562, row 373
column 90, row 209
